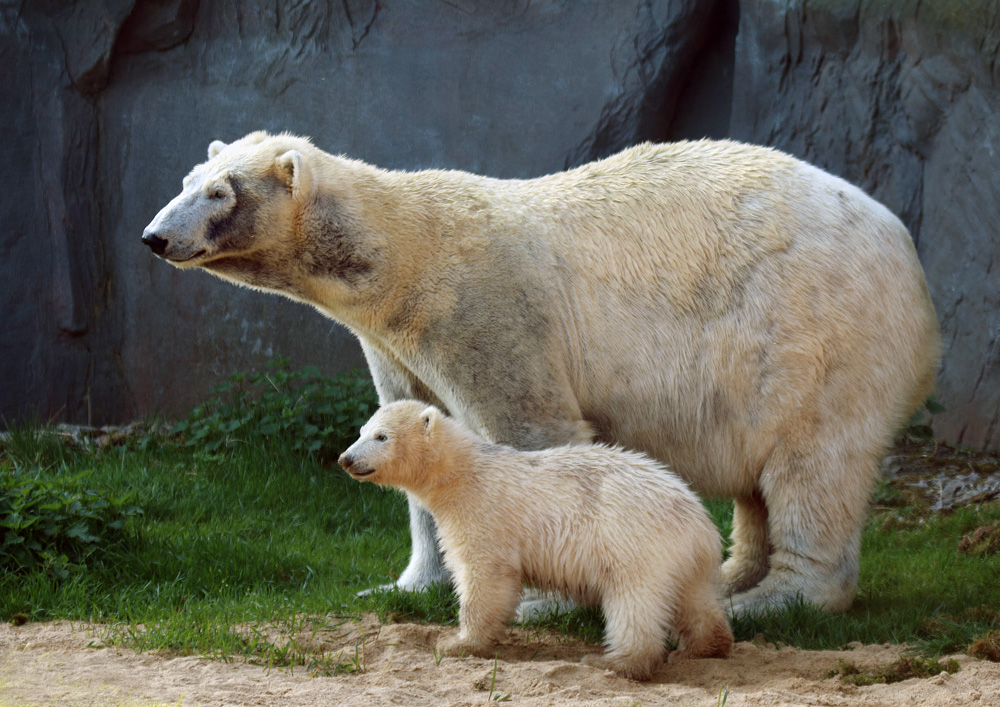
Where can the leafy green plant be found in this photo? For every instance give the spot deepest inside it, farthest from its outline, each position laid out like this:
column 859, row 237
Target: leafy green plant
column 312, row 413
column 57, row 525
column 918, row 428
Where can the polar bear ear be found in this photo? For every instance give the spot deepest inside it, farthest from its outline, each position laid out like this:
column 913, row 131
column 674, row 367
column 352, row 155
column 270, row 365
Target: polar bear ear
column 429, row 419
column 296, row 174
column 215, row 148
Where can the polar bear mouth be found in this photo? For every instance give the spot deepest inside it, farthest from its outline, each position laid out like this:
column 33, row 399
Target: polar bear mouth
column 362, row 474
column 188, row 259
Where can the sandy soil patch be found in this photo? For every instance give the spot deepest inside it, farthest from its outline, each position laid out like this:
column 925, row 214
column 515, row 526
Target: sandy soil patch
column 53, row 664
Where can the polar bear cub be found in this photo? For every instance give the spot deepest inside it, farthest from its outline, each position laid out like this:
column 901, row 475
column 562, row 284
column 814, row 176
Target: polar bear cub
column 599, row 524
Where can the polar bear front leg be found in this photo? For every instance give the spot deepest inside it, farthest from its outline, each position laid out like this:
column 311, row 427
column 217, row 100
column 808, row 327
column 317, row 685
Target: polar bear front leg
column 426, row 561
column 426, row 566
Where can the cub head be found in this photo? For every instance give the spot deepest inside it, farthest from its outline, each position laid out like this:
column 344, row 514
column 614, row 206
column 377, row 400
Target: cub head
column 236, row 212
column 396, row 447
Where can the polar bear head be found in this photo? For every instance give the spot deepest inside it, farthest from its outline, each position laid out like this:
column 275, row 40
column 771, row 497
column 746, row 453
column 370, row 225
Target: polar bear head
column 398, row 446
column 257, row 213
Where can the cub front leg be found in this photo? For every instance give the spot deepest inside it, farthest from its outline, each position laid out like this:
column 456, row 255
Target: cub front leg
column 487, row 601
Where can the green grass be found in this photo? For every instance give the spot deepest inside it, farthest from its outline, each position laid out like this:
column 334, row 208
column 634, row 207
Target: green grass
column 260, row 534
column 265, row 534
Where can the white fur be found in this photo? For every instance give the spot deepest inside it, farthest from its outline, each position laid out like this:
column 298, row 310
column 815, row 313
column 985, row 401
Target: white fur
column 602, row 525
column 761, row 326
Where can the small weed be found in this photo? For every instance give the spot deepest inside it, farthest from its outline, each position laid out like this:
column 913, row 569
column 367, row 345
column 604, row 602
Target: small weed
column 903, row 669
column 918, row 428
column 497, row 696
column 306, row 651
column 887, row 496
column 723, row 696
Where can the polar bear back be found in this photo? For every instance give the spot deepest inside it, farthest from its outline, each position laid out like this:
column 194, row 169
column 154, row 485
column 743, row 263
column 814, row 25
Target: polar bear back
column 779, row 289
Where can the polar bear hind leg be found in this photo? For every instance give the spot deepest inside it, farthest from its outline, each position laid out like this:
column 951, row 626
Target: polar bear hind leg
column 816, row 504
column 749, row 555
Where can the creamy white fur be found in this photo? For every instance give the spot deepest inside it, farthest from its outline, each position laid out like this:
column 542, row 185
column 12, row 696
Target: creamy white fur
column 761, row 326
column 602, row 525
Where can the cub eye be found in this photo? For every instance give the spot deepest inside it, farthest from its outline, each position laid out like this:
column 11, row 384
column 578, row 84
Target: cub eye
column 217, row 193
column 380, row 437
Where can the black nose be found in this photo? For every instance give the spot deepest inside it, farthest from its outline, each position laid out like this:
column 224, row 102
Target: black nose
column 345, row 461
column 155, row 242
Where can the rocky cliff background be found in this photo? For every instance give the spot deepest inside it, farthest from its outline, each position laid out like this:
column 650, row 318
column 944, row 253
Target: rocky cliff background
column 105, row 105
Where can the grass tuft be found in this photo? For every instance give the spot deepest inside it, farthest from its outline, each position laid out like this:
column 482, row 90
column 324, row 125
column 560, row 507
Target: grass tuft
column 984, row 540
column 903, row 669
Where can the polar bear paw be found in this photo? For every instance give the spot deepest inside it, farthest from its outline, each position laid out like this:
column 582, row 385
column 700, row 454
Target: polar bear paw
column 540, row 605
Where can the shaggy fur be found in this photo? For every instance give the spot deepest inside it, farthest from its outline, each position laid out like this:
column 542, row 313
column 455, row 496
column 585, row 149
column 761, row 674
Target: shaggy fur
column 600, row 524
column 759, row 325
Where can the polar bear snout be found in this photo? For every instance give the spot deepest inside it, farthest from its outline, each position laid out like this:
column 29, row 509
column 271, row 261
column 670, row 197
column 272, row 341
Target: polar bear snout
column 348, row 462
column 156, row 242
column 169, row 248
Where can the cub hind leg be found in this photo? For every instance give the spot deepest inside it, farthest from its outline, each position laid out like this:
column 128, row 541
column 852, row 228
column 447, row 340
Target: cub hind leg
column 701, row 623
column 637, row 624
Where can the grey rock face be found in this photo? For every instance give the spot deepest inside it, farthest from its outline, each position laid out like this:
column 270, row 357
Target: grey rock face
column 109, row 103
column 902, row 99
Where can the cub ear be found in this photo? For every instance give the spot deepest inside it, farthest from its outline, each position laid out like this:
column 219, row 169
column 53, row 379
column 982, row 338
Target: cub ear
column 429, row 419
column 292, row 168
column 215, row 148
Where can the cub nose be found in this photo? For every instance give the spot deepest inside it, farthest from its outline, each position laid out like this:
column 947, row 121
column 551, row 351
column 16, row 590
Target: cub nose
column 346, row 461
column 156, row 243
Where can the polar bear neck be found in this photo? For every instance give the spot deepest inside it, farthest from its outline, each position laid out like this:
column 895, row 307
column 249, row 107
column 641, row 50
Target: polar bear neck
column 370, row 234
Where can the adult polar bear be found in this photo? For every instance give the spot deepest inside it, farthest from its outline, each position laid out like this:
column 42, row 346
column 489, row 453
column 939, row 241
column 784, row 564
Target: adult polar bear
column 761, row 326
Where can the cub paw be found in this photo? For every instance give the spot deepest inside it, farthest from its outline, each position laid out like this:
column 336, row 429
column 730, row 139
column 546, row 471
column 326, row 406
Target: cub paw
column 459, row 646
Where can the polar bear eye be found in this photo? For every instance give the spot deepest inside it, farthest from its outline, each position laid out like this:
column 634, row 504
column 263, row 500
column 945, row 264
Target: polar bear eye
column 217, row 193
column 380, row 437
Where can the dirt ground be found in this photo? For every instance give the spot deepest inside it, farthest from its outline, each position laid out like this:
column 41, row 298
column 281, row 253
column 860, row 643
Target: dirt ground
column 55, row 664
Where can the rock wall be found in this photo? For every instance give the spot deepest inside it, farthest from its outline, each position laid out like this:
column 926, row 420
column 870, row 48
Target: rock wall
column 108, row 103
column 901, row 98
